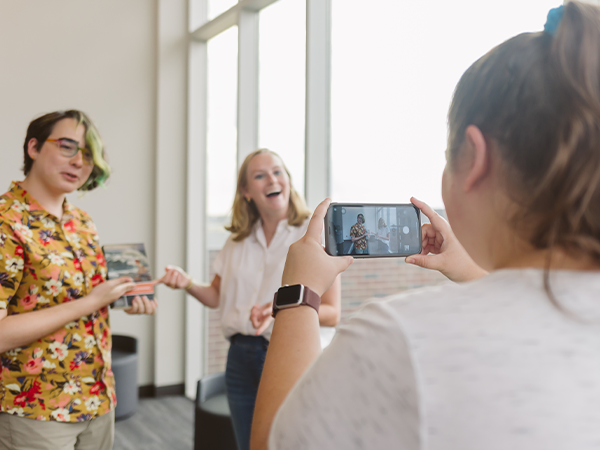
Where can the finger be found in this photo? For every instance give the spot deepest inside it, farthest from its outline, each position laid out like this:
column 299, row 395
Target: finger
column 178, row 269
column 158, row 280
column 254, row 314
column 267, row 306
column 121, row 280
column 315, row 226
column 134, row 308
column 140, row 309
column 342, row 263
column 124, row 288
column 154, row 305
column 425, row 261
column 183, row 280
column 149, row 306
column 264, row 325
column 436, row 220
column 170, row 279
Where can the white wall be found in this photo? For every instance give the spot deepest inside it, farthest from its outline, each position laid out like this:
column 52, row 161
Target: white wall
column 101, row 57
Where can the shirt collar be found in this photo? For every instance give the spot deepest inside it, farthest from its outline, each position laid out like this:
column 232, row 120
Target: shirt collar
column 33, row 205
column 259, row 235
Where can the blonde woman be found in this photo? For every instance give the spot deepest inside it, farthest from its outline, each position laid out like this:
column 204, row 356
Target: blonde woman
column 268, row 216
column 383, row 236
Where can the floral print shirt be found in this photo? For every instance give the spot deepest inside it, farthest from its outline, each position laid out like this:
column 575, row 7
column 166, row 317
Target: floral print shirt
column 358, row 229
column 65, row 376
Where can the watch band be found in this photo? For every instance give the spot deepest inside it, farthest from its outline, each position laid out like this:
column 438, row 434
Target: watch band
column 309, row 297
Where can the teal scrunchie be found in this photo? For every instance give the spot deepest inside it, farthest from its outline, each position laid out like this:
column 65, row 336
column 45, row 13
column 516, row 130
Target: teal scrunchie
column 553, row 20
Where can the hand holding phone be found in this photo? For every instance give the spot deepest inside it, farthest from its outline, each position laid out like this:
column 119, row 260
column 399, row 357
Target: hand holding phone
column 350, row 230
column 441, row 249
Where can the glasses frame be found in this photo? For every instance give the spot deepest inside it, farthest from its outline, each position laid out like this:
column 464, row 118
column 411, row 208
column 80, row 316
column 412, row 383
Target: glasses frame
column 86, row 155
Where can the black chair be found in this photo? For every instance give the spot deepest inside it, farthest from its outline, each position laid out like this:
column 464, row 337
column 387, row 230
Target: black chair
column 213, row 427
column 124, row 366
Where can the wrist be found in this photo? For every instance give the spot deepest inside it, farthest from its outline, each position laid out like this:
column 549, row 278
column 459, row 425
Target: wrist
column 90, row 303
column 190, row 284
column 293, row 296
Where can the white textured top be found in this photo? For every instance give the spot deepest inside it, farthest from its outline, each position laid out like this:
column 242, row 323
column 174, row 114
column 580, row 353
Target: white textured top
column 486, row 365
column 251, row 274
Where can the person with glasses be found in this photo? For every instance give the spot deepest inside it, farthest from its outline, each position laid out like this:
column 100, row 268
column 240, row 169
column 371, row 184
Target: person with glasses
column 57, row 388
column 359, row 234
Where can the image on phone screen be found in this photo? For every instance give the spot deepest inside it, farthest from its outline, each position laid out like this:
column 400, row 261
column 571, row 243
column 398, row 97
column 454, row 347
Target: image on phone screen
column 372, row 230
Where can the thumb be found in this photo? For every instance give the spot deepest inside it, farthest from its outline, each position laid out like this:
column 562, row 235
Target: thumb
column 344, row 262
column 122, row 280
column 425, row 261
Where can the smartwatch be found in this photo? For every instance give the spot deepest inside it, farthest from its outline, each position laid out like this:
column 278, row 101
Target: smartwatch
column 293, row 296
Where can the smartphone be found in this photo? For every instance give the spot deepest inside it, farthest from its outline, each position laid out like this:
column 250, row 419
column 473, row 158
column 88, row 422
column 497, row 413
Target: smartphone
column 373, row 230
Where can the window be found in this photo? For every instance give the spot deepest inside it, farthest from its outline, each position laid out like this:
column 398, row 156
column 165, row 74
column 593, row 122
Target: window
column 282, row 67
column 221, row 173
column 216, row 7
column 394, row 68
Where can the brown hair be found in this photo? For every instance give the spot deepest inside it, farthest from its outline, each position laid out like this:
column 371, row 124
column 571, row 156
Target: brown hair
column 537, row 98
column 41, row 128
column 245, row 214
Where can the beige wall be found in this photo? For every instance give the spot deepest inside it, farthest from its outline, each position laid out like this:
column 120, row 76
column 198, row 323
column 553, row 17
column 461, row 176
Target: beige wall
column 101, row 57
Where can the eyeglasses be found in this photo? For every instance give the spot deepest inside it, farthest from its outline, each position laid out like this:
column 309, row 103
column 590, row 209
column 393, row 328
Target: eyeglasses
column 69, row 148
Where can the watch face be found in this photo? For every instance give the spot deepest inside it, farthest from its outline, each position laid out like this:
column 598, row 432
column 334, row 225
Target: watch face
column 289, row 295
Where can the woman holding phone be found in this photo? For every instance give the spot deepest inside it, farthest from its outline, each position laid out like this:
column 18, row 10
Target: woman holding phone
column 509, row 359
column 268, row 216
column 56, row 384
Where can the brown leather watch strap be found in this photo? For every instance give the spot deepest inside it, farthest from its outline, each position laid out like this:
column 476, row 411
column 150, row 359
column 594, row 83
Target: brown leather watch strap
column 311, row 298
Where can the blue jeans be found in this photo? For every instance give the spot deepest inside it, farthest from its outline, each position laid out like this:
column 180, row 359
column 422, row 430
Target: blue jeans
column 245, row 362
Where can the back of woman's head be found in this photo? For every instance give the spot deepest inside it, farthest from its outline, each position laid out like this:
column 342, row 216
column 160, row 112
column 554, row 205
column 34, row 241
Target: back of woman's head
column 536, row 97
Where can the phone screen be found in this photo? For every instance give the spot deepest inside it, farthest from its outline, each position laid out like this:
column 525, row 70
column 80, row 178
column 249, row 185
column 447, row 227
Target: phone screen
column 372, row 230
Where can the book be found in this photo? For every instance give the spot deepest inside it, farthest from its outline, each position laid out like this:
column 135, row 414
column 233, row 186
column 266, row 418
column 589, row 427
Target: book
column 129, row 260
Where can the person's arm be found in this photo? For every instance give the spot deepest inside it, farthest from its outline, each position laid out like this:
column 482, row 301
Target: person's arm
column 207, row 294
column 352, row 235
column 441, row 249
column 295, row 341
column 330, row 310
column 22, row 329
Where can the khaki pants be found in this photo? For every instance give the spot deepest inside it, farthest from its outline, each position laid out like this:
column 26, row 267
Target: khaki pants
column 19, row 433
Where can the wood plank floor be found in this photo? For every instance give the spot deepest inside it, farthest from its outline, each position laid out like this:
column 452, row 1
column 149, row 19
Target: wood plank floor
column 164, row 423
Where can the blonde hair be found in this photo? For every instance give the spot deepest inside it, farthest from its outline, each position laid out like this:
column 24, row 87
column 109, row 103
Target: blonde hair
column 245, row 214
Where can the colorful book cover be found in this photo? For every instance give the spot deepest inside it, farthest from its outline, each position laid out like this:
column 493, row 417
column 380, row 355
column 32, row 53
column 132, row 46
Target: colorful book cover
column 129, row 260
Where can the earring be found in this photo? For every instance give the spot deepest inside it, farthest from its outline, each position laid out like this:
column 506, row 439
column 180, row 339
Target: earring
column 248, row 199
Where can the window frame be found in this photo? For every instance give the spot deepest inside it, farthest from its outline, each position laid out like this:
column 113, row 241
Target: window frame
column 245, row 15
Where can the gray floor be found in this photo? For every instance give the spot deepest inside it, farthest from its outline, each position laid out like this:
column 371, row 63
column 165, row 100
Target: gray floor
column 164, row 423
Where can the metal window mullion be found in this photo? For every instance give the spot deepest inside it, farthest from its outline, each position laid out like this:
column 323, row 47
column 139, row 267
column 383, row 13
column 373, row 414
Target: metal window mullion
column 196, row 255
column 247, row 108
column 209, row 29
column 318, row 101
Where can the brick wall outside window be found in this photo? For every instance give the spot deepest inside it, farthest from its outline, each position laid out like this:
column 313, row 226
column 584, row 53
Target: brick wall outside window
column 366, row 280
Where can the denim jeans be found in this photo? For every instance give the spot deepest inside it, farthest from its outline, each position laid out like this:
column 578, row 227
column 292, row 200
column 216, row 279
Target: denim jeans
column 245, row 362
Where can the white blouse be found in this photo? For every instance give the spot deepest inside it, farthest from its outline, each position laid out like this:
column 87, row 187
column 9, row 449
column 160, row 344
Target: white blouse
column 251, row 274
